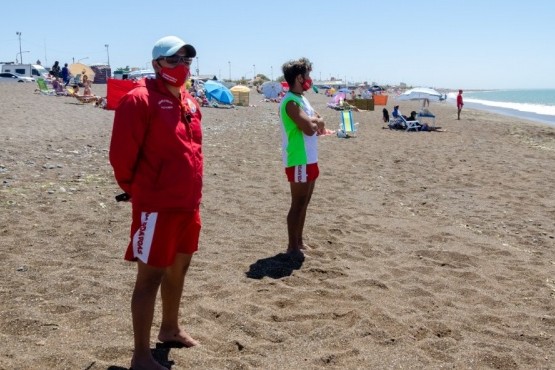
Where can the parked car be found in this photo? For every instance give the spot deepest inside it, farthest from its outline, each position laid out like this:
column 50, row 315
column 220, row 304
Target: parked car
column 7, row 76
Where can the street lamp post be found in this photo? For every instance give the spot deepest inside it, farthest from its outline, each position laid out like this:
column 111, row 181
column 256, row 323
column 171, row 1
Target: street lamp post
column 107, row 53
column 229, row 62
column 253, row 72
column 20, row 55
column 20, row 52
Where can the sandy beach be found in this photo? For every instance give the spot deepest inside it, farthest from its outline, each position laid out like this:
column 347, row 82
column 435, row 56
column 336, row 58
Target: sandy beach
column 429, row 250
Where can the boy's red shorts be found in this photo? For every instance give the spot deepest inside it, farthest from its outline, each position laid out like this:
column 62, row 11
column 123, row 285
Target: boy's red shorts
column 302, row 173
column 157, row 237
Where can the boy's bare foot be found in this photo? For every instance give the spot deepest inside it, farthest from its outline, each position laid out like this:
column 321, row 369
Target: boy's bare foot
column 295, row 253
column 180, row 336
column 147, row 363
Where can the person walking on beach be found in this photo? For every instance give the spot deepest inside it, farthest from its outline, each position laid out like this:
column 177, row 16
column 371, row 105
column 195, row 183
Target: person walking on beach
column 300, row 125
column 156, row 154
column 459, row 104
column 65, row 74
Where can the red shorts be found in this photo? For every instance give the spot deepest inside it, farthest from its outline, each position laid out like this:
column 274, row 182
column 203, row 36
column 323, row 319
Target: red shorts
column 157, row 237
column 302, row 173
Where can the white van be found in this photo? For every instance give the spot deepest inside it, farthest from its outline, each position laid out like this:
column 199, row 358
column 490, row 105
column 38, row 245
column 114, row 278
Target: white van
column 30, row 70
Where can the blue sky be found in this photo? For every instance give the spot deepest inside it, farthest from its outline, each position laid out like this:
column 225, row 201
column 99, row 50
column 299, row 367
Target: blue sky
column 465, row 44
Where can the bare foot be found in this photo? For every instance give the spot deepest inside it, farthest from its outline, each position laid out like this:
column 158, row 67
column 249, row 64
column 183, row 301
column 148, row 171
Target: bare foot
column 181, row 337
column 296, row 253
column 147, row 363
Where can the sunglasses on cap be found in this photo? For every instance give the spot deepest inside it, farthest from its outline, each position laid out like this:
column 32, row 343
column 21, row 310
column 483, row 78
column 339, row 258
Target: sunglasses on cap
column 174, row 59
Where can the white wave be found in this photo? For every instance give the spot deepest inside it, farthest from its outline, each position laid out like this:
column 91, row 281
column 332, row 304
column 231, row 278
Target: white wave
column 548, row 110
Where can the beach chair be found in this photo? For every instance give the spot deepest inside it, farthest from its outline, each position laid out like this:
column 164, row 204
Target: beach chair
column 86, row 99
column 347, row 126
column 410, row 125
column 43, row 88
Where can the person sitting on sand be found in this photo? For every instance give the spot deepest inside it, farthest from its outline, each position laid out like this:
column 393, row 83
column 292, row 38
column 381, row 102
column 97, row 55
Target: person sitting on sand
column 58, row 87
column 412, row 116
column 87, row 86
column 395, row 112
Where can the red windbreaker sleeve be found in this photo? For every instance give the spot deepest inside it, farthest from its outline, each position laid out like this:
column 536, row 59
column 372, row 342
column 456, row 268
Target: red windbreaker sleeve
column 128, row 134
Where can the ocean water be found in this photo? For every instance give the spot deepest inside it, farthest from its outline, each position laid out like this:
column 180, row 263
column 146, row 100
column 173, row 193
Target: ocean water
column 531, row 104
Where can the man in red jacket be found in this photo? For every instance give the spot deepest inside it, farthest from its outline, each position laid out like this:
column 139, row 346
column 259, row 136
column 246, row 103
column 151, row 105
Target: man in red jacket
column 156, row 154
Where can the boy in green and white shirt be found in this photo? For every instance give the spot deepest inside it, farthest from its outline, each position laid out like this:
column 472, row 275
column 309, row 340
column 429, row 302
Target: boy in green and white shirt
column 300, row 123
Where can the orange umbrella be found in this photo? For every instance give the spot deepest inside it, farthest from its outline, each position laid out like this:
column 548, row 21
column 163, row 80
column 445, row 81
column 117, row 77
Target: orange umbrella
column 81, row 69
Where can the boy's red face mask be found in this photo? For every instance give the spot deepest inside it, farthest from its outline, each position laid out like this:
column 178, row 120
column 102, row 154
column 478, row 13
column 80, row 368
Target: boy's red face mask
column 307, row 84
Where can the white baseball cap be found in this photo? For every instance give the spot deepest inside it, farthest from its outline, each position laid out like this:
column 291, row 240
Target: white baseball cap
column 169, row 45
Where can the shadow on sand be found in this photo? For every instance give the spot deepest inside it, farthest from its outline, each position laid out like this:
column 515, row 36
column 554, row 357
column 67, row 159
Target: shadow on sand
column 276, row 267
column 160, row 353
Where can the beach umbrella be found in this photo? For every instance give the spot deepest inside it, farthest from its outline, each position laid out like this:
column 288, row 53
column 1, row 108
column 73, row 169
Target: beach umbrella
column 335, row 99
column 218, row 91
column 421, row 93
column 271, row 89
column 81, row 69
column 344, row 90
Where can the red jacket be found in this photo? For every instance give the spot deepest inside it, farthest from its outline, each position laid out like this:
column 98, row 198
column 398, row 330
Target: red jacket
column 156, row 154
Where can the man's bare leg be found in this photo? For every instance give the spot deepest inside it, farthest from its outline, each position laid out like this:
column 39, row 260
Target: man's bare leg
column 172, row 290
column 142, row 309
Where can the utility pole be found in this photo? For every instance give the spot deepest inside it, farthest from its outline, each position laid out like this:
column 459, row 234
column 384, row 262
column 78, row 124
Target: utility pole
column 107, row 53
column 20, row 54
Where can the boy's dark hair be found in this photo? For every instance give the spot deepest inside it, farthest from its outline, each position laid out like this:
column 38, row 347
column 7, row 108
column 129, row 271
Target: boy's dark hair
column 293, row 68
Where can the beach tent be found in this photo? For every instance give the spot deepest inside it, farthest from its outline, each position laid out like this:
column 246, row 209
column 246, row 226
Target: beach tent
column 116, row 89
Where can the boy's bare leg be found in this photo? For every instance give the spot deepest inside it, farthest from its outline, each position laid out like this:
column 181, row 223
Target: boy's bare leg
column 172, row 290
column 142, row 309
column 300, row 241
column 300, row 196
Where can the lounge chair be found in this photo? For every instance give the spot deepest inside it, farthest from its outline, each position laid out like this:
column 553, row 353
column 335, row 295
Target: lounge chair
column 43, row 88
column 347, row 127
column 86, row 98
column 411, row 125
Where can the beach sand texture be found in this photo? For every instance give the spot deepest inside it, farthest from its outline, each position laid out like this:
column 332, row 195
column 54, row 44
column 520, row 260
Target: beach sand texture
column 429, row 250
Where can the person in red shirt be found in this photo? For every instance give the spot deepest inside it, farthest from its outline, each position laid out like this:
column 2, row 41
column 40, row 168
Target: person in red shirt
column 156, row 155
column 459, row 104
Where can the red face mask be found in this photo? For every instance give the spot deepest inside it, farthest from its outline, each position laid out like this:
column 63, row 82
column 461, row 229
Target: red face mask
column 307, row 84
column 175, row 76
